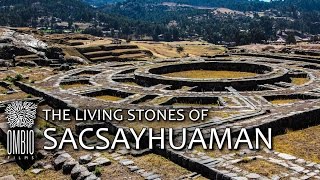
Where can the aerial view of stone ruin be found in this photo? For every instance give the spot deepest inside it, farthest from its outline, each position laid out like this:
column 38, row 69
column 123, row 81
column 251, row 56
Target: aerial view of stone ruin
column 251, row 66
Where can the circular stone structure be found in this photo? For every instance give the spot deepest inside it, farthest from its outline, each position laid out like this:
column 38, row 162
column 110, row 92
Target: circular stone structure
column 292, row 81
column 152, row 75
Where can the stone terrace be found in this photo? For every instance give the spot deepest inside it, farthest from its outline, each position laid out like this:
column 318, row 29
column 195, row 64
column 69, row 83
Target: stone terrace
column 245, row 102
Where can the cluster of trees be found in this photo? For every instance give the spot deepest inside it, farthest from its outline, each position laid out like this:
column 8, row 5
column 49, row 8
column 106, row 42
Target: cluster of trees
column 100, row 2
column 140, row 18
column 290, row 14
column 241, row 5
column 28, row 12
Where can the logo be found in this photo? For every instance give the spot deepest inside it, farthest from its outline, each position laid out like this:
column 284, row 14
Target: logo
column 20, row 136
column 21, row 114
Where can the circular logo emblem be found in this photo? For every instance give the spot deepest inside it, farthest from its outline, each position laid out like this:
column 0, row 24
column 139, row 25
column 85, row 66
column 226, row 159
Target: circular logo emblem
column 21, row 114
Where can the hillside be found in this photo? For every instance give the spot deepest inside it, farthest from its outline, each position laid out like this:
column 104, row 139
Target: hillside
column 216, row 21
column 98, row 3
column 27, row 12
column 242, row 5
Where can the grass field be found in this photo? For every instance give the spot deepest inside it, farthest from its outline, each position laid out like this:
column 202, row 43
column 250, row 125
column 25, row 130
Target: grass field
column 163, row 166
column 109, row 98
column 131, row 83
column 284, row 101
column 262, row 167
column 208, row 74
column 14, row 96
column 299, row 81
column 70, row 51
column 223, row 114
column 3, row 90
column 31, row 73
column 75, row 85
column 302, row 144
column 169, row 49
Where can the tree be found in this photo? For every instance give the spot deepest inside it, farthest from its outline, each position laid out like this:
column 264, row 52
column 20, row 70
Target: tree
column 314, row 38
column 175, row 34
column 93, row 31
column 167, row 36
column 156, row 33
column 129, row 38
column 70, row 23
column 291, row 39
column 126, row 30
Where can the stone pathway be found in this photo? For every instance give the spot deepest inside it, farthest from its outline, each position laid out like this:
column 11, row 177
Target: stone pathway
column 120, row 156
column 228, row 164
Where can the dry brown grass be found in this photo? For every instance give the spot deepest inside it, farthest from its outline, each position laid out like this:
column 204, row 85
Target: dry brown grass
column 86, row 74
column 131, row 83
column 117, row 171
column 299, row 81
column 230, row 101
column 138, row 56
column 169, row 49
column 109, row 98
column 4, row 74
column 160, row 100
column 40, row 75
column 70, row 51
column 1, row 31
column 75, row 85
column 100, row 42
column 3, row 90
column 161, row 165
column 200, row 178
column 18, row 173
column 208, row 74
column 14, row 96
column 3, row 151
column 284, row 101
column 32, row 73
column 223, row 114
column 214, row 153
column 262, row 167
column 303, row 143
column 193, row 104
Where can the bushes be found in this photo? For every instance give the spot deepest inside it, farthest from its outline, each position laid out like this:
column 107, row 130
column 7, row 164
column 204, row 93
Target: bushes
column 97, row 171
column 18, row 77
column 180, row 49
